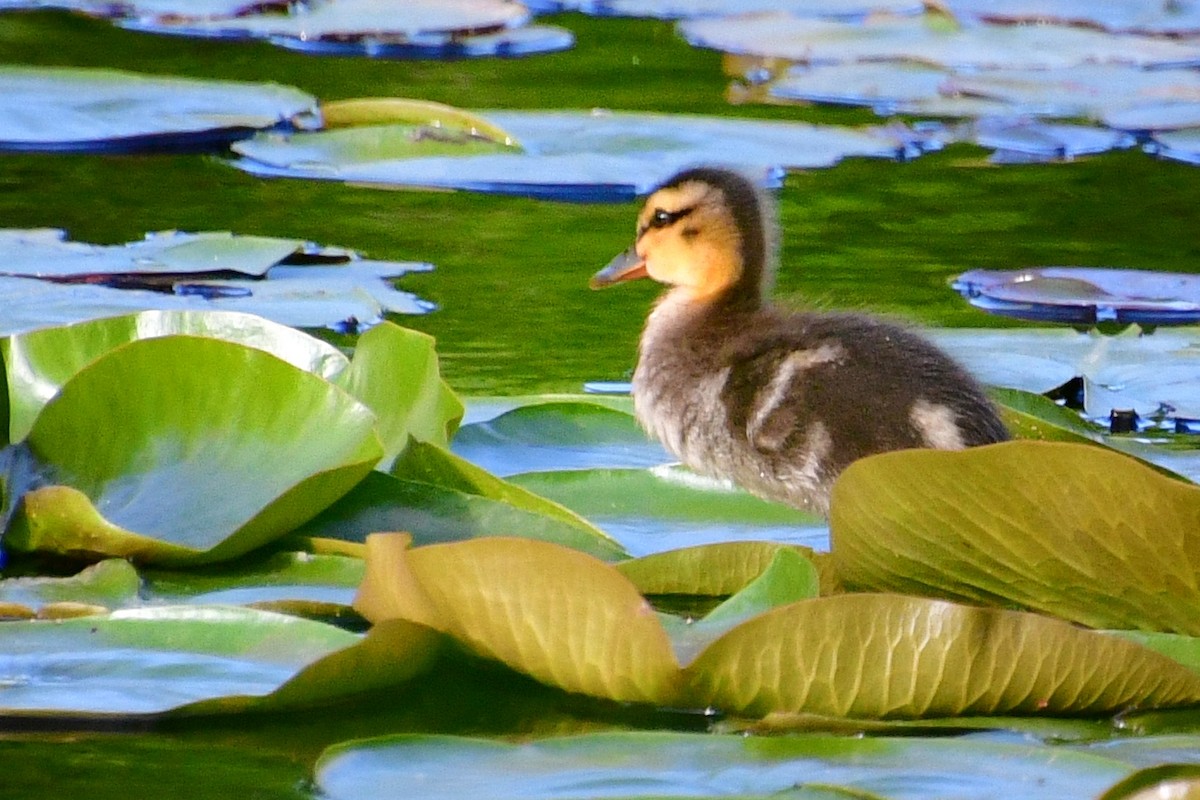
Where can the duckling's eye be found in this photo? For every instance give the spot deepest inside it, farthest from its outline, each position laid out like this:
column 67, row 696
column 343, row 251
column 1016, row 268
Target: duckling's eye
column 661, row 218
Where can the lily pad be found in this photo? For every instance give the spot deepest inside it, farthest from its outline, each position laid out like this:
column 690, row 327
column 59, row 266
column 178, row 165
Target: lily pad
column 716, row 569
column 39, row 362
column 256, row 448
column 893, row 38
column 660, row 764
column 395, row 373
column 1123, row 97
column 439, row 498
column 1079, row 532
column 149, row 660
column 270, row 581
column 664, row 508
column 684, row 9
column 1153, row 374
column 48, row 281
column 570, row 155
column 418, row 29
column 1085, row 295
column 1179, row 145
column 559, row 436
column 196, row 659
column 551, row 612
column 63, row 109
column 573, row 622
column 112, row 583
column 1153, row 18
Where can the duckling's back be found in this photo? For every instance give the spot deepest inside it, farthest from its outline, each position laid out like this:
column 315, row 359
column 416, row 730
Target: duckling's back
column 781, row 403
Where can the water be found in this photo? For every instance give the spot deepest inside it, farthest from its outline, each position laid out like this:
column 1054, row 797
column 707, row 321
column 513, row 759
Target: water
column 516, row 315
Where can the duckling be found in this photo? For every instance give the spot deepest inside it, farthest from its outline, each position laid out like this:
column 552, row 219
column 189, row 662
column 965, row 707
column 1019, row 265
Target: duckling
column 777, row 401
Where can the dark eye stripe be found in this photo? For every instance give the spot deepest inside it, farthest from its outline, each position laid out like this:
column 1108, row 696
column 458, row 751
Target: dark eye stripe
column 661, row 218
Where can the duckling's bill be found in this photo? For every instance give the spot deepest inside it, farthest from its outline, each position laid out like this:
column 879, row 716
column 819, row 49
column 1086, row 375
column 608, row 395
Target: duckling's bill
column 627, row 266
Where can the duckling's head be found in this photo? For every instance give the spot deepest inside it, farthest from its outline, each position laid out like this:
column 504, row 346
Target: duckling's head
column 706, row 233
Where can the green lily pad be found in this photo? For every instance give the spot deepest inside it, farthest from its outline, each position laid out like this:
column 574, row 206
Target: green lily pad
column 557, row 435
column 639, row 765
column 278, row 578
column 111, row 583
column 39, row 362
column 717, row 570
column 197, row 659
column 214, row 449
column 395, row 373
column 670, row 507
column 435, row 513
column 787, row 578
column 150, row 660
column 1080, row 532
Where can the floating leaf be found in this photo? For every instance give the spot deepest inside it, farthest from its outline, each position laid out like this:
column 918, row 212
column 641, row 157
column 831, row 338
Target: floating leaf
column 573, row 622
column 681, row 9
column 150, row 660
column 560, row 436
column 662, row 764
column 197, row 272
column 548, row 611
column 255, row 448
column 1123, row 97
column 889, row 656
column 666, row 508
column 278, row 578
column 1079, row 532
column 1154, row 783
column 1126, row 17
column 100, row 110
column 418, row 29
column 39, row 362
column 571, row 155
column 393, row 110
column 112, row 583
column 433, row 466
column 395, row 373
column 716, row 569
column 452, row 512
column 787, row 578
column 890, row 38
column 1085, row 295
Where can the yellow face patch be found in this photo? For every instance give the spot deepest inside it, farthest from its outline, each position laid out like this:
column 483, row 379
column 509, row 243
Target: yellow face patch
column 688, row 238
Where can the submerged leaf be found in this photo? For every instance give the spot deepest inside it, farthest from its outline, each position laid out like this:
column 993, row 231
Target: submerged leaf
column 1080, row 532
column 254, row 448
column 889, row 656
column 557, row 615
